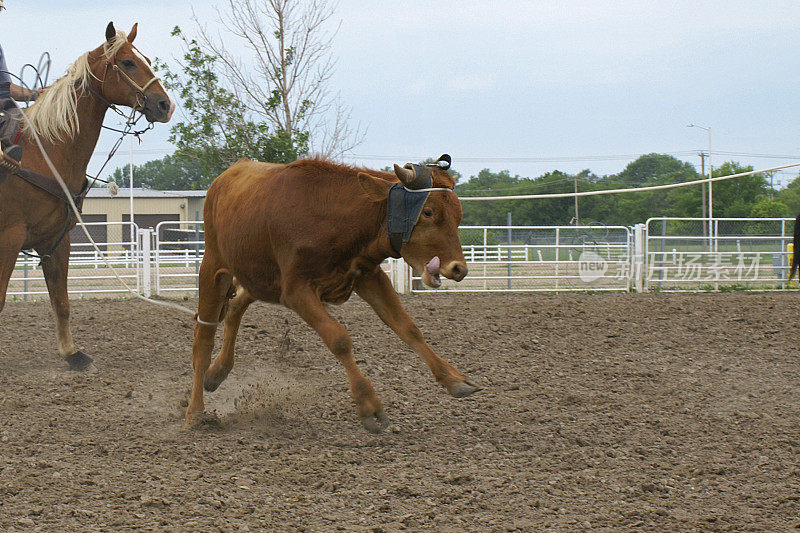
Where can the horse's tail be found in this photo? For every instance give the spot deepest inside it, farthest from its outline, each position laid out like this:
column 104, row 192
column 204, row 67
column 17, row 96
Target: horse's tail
column 796, row 251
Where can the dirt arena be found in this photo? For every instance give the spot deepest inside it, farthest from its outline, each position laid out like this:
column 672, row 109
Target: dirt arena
column 599, row 412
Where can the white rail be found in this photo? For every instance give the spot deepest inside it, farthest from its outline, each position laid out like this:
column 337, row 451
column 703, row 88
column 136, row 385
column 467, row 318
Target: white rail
column 675, row 254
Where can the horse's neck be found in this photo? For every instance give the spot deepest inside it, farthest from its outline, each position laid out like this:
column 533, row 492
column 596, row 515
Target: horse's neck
column 71, row 158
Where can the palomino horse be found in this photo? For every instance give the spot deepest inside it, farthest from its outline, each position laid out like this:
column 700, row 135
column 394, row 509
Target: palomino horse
column 68, row 117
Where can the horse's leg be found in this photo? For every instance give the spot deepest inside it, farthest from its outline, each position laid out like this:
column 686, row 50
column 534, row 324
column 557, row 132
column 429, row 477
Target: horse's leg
column 56, row 269
column 302, row 299
column 224, row 361
column 10, row 244
column 378, row 292
column 214, row 284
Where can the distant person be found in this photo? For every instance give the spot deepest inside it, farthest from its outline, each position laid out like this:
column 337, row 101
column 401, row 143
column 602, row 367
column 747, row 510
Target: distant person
column 9, row 92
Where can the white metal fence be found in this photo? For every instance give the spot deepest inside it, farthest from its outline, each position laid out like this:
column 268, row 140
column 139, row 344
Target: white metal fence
column 88, row 273
column 717, row 254
column 542, row 258
column 178, row 252
column 661, row 254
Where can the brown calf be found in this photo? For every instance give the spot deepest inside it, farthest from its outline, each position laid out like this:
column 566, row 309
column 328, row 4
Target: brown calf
column 312, row 232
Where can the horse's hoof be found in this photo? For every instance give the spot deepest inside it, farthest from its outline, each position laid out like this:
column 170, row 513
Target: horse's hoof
column 80, row 362
column 375, row 423
column 462, row 389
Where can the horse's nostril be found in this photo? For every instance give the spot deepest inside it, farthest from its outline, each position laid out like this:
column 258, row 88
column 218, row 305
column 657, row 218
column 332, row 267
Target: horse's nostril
column 163, row 105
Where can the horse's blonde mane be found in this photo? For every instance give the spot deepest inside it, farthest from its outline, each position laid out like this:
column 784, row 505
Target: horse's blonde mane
column 54, row 115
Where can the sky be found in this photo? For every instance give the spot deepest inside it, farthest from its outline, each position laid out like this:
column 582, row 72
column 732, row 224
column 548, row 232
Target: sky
column 523, row 86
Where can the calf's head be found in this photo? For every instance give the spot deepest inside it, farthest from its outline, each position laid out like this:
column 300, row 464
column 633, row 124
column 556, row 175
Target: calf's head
column 423, row 214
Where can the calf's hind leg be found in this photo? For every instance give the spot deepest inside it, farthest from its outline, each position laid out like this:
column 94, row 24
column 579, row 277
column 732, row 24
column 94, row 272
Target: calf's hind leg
column 214, row 285
column 224, row 361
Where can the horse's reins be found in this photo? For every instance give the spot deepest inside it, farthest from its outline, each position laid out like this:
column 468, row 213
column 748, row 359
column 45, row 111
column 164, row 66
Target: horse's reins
column 140, row 96
column 130, row 122
column 77, row 212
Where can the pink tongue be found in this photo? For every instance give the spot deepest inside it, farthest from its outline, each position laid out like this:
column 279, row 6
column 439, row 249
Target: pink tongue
column 433, row 266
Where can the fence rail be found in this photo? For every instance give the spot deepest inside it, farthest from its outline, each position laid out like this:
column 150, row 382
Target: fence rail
column 717, row 254
column 542, row 258
column 88, row 272
column 666, row 254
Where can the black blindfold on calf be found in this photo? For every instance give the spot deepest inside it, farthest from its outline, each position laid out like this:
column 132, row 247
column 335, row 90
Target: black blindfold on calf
column 407, row 198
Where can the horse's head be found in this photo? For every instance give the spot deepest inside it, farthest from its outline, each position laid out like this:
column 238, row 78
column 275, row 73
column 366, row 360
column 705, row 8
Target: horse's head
column 128, row 79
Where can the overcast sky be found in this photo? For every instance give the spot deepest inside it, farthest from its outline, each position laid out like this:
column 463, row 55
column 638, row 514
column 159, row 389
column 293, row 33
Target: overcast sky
column 527, row 87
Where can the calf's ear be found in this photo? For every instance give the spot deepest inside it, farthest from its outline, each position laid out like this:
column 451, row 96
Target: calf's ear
column 377, row 189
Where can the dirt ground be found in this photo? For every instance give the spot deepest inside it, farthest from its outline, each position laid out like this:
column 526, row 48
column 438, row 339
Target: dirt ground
column 599, row 412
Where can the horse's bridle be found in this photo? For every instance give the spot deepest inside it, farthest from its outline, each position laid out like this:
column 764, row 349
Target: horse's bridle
column 140, row 96
column 47, row 184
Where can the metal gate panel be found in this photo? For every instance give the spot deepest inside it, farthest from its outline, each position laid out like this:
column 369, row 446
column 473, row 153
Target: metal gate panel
column 689, row 254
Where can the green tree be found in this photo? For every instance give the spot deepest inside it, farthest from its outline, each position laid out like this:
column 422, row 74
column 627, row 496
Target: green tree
column 218, row 129
column 163, row 174
column 766, row 208
column 735, row 197
column 790, row 196
column 648, row 170
column 656, row 167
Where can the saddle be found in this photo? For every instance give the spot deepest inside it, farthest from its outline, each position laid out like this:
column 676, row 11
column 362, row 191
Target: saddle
column 10, row 130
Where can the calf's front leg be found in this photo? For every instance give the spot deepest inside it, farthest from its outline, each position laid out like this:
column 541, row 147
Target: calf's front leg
column 376, row 289
column 303, row 300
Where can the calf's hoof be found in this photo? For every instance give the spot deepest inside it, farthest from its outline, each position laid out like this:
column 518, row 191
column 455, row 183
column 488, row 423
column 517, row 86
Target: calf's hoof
column 462, row 389
column 376, row 423
column 202, row 420
column 212, row 381
column 80, row 362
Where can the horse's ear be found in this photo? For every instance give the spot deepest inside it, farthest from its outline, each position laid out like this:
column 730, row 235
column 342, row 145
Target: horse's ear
column 132, row 34
column 110, row 32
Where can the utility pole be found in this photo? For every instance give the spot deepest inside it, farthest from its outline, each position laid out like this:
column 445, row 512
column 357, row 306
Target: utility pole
column 703, row 173
column 703, row 194
column 577, row 217
column 771, row 186
column 710, row 186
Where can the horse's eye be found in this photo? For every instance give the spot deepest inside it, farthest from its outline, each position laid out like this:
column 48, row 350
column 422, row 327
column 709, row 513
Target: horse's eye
column 428, row 212
column 127, row 63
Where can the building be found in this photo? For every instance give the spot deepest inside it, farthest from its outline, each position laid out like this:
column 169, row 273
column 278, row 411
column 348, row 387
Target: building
column 108, row 217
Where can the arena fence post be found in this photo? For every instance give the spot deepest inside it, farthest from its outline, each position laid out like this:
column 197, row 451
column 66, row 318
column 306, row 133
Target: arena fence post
column 145, row 236
column 403, row 276
column 638, row 257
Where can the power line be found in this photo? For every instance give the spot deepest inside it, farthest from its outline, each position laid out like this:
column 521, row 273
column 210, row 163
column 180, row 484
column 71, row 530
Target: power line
column 570, row 159
column 521, row 159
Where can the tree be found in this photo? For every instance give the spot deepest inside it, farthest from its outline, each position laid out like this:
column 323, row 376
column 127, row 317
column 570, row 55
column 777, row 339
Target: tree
column 735, row 197
column 169, row 173
column 766, row 208
column 285, row 81
column 656, row 167
column 219, row 129
column 790, row 196
column 648, row 170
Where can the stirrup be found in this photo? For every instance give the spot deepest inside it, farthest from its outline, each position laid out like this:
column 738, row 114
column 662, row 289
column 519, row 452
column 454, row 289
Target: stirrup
column 11, row 157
